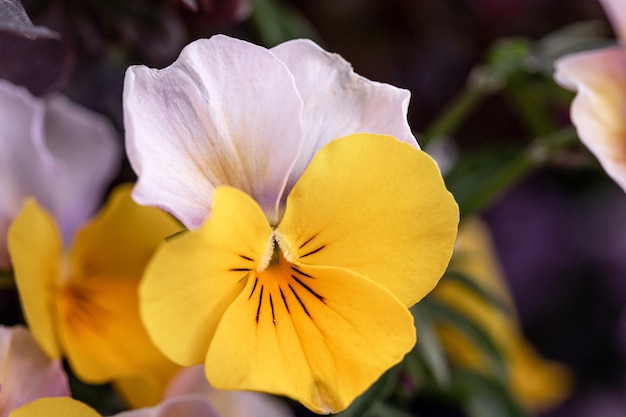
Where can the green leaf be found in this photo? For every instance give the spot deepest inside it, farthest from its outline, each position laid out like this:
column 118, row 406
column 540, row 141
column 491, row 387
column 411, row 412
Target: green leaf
column 480, row 176
column 429, row 349
column 508, row 58
column 375, row 394
column 476, row 288
column 277, row 23
column 490, row 350
column 481, row 396
column 388, row 410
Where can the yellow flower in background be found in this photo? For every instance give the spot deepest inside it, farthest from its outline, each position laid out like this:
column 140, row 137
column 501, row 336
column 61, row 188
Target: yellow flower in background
column 599, row 78
column 536, row 383
column 57, row 407
column 316, row 308
column 68, row 407
column 82, row 303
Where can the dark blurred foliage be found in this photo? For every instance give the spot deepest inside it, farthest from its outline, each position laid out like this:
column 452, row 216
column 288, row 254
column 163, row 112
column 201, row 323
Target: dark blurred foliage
column 561, row 232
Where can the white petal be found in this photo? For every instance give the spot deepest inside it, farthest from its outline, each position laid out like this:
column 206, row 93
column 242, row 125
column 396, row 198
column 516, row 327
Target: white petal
column 616, row 11
column 599, row 77
column 26, row 373
column 59, row 153
column 184, row 406
column 88, row 153
column 26, row 167
column 225, row 113
column 192, row 380
column 338, row 102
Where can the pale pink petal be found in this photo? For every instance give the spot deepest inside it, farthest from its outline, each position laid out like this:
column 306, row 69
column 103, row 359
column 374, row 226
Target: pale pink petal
column 338, row 102
column 192, row 380
column 185, row 406
column 26, row 373
column 55, row 151
column 26, row 167
column 226, row 112
column 616, row 11
column 88, row 153
column 599, row 109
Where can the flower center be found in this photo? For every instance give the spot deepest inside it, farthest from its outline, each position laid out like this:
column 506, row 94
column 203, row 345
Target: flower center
column 281, row 288
column 277, row 247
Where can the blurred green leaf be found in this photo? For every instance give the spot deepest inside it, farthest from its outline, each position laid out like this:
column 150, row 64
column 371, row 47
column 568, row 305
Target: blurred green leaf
column 532, row 103
column 483, row 175
column 482, row 396
column 388, row 410
column 429, row 349
column 276, row 23
column 372, row 396
column 479, row 175
column 507, row 59
column 448, row 315
column 476, row 288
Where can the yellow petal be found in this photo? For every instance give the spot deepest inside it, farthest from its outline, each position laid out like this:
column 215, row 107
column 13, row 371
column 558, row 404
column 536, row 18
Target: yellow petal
column 318, row 335
column 98, row 308
column 147, row 389
column 55, row 407
column 35, row 247
column 121, row 239
column 193, row 278
column 536, row 382
column 378, row 207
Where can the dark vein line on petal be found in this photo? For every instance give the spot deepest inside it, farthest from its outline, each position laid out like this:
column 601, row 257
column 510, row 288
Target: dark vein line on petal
column 246, row 258
column 296, row 270
column 240, row 269
column 313, row 251
column 272, row 306
column 307, row 241
column 309, row 289
column 299, row 300
column 256, row 281
column 282, row 295
column 258, row 310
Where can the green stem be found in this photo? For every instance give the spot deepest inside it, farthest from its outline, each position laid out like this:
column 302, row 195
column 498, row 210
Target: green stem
column 480, row 85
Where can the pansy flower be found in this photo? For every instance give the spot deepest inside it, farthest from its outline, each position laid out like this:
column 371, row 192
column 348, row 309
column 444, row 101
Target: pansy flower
column 26, row 373
column 81, row 302
column 309, row 239
column 599, row 77
column 56, row 151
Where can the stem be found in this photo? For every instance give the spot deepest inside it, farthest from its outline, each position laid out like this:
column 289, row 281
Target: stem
column 480, row 84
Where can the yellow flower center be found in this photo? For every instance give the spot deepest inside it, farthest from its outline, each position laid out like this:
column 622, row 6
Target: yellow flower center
column 284, row 283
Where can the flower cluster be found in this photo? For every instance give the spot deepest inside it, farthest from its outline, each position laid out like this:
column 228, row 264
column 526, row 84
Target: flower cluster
column 286, row 236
